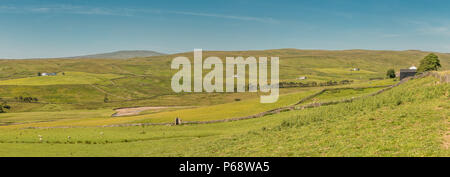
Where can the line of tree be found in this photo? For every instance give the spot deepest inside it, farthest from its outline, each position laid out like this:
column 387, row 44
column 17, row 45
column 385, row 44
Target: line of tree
column 26, row 99
column 313, row 84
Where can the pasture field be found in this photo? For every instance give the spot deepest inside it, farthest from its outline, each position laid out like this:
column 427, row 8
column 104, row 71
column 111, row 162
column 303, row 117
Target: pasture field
column 146, row 81
column 28, row 117
column 73, row 112
column 203, row 113
column 69, row 78
column 409, row 120
column 340, row 94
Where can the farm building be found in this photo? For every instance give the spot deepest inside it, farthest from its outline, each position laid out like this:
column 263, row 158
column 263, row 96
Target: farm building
column 302, row 78
column 355, row 69
column 413, row 67
column 48, row 74
column 404, row 73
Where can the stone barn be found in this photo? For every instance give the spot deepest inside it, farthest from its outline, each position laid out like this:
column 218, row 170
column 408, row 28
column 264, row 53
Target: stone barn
column 404, row 73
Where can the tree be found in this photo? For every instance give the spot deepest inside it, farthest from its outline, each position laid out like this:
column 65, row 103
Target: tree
column 429, row 63
column 106, row 99
column 390, row 73
column 4, row 105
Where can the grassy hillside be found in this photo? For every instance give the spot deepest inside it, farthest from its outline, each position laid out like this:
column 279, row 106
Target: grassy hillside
column 73, row 109
column 409, row 120
column 234, row 109
column 145, row 81
column 125, row 54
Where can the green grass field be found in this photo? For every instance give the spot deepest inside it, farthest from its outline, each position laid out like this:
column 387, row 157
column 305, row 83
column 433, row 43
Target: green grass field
column 148, row 78
column 28, row 117
column 409, row 120
column 69, row 78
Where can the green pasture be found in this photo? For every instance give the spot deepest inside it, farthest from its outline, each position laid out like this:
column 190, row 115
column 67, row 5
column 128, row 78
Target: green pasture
column 28, row 117
column 409, row 120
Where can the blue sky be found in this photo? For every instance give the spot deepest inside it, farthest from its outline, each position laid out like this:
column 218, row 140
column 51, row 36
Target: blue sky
column 50, row 28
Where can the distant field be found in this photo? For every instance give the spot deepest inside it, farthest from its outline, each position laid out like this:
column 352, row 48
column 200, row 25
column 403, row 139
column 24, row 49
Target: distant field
column 228, row 110
column 58, row 94
column 28, row 117
column 346, row 71
column 250, row 107
column 247, row 107
column 69, row 78
column 336, row 95
column 214, row 112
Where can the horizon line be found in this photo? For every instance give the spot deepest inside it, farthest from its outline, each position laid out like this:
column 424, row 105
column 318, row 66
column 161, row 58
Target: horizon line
column 181, row 52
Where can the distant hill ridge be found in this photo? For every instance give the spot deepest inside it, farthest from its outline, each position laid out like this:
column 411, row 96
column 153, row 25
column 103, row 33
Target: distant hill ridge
column 123, row 54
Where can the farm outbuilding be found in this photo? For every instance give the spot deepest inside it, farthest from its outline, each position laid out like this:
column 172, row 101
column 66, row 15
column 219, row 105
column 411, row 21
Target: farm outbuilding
column 404, row 73
column 302, row 78
column 48, row 74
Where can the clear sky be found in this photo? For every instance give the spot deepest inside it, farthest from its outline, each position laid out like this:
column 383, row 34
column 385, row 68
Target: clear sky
column 50, row 28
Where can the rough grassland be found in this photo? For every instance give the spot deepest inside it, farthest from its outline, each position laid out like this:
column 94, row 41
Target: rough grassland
column 214, row 112
column 409, row 120
column 147, row 77
column 205, row 113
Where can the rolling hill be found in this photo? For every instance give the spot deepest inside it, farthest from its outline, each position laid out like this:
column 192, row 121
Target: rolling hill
column 123, row 54
column 145, row 81
column 408, row 120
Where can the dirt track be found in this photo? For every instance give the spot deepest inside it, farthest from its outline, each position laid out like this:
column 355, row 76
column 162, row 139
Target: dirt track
column 137, row 110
